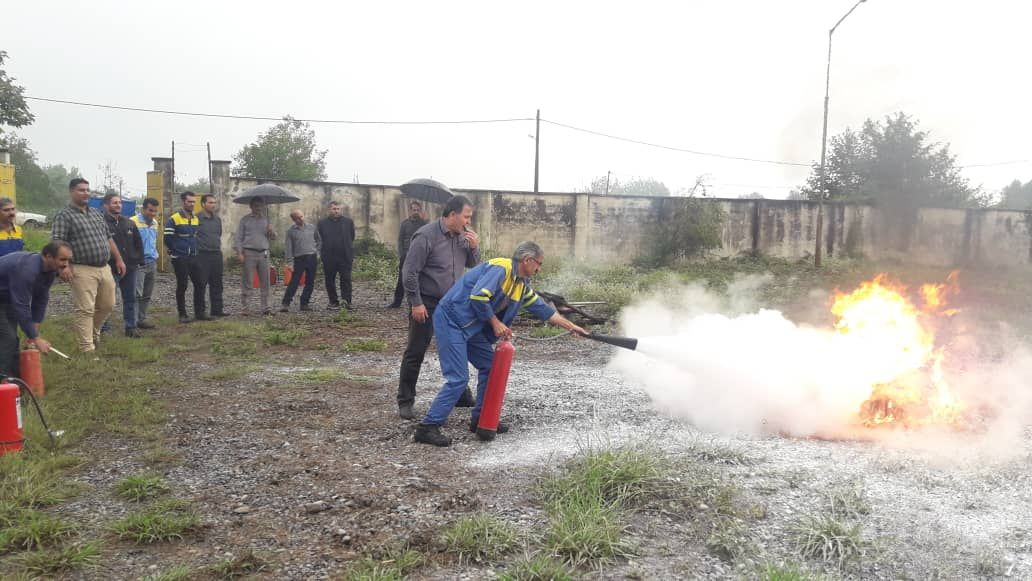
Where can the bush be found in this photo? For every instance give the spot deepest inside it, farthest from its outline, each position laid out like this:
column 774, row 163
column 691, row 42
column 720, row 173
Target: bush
column 691, row 228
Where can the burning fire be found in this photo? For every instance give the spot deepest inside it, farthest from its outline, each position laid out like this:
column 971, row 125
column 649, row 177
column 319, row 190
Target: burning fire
column 903, row 363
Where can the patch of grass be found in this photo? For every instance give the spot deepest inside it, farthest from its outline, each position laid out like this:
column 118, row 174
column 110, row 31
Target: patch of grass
column 849, row 501
column 615, row 476
column 164, row 521
column 243, row 565
column 585, row 530
column 364, row 345
column 161, row 455
column 789, row 571
column 234, row 349
column 288, row 337
column 51, row 562
column 141, row 487
column 480, row 537
column 177, row 573
column 546, row 332
column 829, row 540
column 28, row 529
column 323, row 375
column 32, row 482
column 538, row 568
column 230, row 372
column 393, row 565
column 989, row 562
column 375, row 262
column 721, row 454
column 729, row 538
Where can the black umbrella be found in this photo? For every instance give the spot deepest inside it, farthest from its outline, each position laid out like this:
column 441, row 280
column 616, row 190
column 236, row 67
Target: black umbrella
column 270, row 193
column 427, row 190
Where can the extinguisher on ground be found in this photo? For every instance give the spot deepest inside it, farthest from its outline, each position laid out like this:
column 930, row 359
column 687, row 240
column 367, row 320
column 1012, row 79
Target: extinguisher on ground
column 497, row 379
column 12, row 435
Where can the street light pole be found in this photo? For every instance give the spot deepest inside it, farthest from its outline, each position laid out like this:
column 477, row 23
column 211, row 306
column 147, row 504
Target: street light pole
column 821, row 185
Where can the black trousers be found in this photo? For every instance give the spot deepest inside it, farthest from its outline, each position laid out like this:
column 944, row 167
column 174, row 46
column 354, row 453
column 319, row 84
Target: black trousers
column 399, row 289
column 9, row 345
column 419, row 336
column 209, row 268
column 303, row 266
column 187, row 271
column 334, row 266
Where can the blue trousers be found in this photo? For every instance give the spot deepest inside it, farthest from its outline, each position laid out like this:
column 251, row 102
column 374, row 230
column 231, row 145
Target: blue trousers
column 127, row 285
column 456, row 353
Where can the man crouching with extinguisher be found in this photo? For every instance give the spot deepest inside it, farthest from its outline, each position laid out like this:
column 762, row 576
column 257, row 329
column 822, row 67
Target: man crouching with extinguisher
column 25, row 279
column 475, row 313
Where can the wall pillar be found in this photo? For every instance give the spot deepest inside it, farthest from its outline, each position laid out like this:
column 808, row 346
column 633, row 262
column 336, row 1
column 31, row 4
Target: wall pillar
column 167, row 202
column 582, row 224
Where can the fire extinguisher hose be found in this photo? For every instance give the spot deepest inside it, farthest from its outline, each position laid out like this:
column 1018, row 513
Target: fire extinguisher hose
column 25, row 390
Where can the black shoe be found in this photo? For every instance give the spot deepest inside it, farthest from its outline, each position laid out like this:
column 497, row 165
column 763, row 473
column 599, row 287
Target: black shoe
column 220, row 314
column 133, row 333
column 501, row 429
column 432, row 435
column 202, row 317
column 305, row 308
column 466, row 400
column 394, row 305
column 144, row 325
column 268, row 313
column 184, row 319
column 284, row 309
column 406, row 412
column 333, row 307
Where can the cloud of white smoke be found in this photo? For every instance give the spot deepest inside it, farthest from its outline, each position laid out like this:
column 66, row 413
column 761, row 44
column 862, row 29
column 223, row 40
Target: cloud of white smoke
column 726, row 367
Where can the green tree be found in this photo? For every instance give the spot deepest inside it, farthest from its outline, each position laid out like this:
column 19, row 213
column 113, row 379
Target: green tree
column 14, row 112
column 199, row 186
column 1016, row 196
column 287, row 151
column 59, row 176
column 894, row 163
column 634, row 187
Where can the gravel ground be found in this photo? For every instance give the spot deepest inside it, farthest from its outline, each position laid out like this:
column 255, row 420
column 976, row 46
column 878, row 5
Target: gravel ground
column 314, row 475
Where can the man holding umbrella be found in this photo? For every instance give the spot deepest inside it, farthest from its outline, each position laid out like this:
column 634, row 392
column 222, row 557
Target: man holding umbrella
column 252, row 240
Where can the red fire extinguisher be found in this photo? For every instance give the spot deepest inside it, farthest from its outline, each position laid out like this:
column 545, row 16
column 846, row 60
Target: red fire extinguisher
column 31, row 370
column 11, row 438
column 497, row 380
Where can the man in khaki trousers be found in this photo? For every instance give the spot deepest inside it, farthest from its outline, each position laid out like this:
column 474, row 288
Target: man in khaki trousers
column 93, row 286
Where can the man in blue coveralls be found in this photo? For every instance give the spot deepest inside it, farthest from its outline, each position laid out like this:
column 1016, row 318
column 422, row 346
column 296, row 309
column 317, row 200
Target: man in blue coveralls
column 475, row 313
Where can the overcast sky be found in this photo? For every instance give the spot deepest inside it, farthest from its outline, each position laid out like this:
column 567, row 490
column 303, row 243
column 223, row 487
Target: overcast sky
column 737, row 78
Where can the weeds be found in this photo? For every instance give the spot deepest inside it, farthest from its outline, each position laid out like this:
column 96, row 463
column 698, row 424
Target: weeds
column 785, row 572
column 538, row 568
column 164, row 521
column 829, row 540
column 365, row 345
column 27, row 529
column 584, row 530
column 393, row 565
column 54, row 561
column 141, row 487
column 546, row 332
column 616, row 477
column 849, row 501
column 241, row 566
column 322, row 375
column 480, row 537
column 288, row 337
column 729, row 538
column 230, row 372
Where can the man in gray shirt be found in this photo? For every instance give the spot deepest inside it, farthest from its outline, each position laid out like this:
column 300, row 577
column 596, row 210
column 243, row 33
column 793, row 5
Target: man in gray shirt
column 209, row 258
column 438, row 256
column 301, row 246
column 252, row 246
column 414, row 222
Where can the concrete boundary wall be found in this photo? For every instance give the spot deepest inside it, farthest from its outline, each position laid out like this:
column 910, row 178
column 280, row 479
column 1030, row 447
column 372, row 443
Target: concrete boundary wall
column 617, row 228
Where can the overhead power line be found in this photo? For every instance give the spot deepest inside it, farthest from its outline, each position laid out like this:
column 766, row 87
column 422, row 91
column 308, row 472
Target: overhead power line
column 264, row 118
column 672, row 148
column 1012, row 162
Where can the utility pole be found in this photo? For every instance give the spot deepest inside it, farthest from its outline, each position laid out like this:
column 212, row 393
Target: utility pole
column 211, row 186
column 821, row 185
column 608, row 173
column 537, row 145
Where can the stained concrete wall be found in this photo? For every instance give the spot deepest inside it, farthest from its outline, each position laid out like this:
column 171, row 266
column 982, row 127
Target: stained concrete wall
column 618, row 228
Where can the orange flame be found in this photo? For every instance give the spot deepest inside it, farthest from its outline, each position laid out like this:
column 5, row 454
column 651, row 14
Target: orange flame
column 896, row 341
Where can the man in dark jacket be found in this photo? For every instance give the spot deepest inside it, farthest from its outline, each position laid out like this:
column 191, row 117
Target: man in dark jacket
column 130, row 245
column 337, row 233
column 414, row 222
column 181, row 245
column 25, row 279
